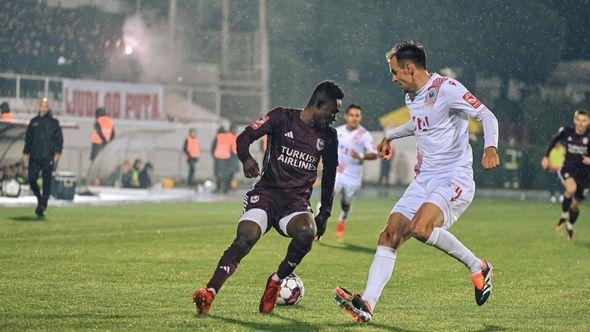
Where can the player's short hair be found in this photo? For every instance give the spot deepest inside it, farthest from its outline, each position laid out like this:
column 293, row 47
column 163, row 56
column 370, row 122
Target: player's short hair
column 351, row 106
column 325, row 91
column 408, row 50
column 582, row 111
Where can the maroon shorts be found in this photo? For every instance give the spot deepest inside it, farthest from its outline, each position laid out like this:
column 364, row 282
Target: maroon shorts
column 273, row 209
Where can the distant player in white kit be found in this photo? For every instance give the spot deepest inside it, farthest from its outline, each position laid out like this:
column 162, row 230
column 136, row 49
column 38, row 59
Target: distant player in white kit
column 443, row 188
column 355, row 144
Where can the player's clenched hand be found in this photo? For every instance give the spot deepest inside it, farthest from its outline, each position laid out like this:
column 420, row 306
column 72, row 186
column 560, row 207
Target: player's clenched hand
column 251, row 169
column 385, row 150
column 490, row 158
column 320, row 223
column 586, row 160
column 545, row 162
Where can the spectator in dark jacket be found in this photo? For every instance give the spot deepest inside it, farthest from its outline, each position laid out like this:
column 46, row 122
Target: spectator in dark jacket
column 146, row 176
column 43, row 146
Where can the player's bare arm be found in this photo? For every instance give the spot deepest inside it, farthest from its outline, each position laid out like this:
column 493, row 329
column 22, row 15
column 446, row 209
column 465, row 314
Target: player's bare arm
column 330, row 161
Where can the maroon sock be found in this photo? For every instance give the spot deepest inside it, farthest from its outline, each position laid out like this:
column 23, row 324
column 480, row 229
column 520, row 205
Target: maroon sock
column 295, row 253
column 227, row 265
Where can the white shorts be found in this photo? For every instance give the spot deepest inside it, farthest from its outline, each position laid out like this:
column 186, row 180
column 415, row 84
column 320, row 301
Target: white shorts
column 260, row 217
column 349, row 189
column 452, row 194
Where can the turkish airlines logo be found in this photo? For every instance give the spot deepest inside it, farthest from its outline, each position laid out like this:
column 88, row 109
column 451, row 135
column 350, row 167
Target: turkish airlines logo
column 256, row 124
column 471, row 100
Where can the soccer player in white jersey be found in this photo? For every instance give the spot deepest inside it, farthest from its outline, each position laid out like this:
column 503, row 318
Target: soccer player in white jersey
column 443, row 188
column 355, row 144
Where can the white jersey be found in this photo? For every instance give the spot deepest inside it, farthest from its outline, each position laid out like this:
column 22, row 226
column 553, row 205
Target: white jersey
column 439, row 119
column 359, row 140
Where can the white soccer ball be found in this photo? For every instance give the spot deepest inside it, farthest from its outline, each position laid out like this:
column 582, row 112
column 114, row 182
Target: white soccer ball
column 292, row 291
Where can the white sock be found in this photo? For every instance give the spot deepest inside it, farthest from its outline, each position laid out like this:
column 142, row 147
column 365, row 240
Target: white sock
column 342, row 216
column 565, row 215
column 569, row 226
column 275, row 277
column 379, row 274
column 448, row 243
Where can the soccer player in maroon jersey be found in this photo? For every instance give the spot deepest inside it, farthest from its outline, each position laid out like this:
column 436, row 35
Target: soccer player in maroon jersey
column 574, row 173
column 298, row 138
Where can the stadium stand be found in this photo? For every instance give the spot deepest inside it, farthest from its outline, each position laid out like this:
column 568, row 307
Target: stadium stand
column 43, row 40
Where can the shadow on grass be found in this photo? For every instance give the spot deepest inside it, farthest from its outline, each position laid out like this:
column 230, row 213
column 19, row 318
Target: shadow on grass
column 27, row 218
column 490, row 328
column 291, row 324
column 349, row 247
column 583, row 244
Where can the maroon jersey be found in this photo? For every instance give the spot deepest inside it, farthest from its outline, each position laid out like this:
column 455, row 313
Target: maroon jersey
column 291, row 161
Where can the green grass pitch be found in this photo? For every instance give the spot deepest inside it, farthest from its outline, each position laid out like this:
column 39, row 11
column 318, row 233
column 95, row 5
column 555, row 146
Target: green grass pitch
column 135, row 267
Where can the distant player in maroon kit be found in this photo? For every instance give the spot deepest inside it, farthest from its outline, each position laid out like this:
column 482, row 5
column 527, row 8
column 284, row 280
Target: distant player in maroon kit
column 280, row 199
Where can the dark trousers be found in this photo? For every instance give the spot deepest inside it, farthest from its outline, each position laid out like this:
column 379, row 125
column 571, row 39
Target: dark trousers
column 223, row 174
column 95, row 149
column 191, row 170
column 384, row 175
column 44, row 166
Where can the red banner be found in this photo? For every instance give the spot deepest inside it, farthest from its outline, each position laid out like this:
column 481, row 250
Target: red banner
column 120, row 100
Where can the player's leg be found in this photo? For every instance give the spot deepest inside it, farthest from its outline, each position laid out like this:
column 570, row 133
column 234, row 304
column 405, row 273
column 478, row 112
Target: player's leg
column 574, row 210
column 348, row 194
column 250, row 228
column 569, row 191
column 338, row 189
column 430, row 225
column 427, row 227
column 301, row 227
column 395, row 233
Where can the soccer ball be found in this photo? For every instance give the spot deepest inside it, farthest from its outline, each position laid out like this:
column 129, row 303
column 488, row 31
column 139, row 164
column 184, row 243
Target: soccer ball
column 292, row 290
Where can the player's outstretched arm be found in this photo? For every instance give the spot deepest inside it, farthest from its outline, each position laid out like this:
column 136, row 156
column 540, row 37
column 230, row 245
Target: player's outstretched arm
column 330, row 161
column 384, row 148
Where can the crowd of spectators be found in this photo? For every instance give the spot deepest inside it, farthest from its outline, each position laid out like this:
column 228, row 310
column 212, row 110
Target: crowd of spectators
column 39, row 39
